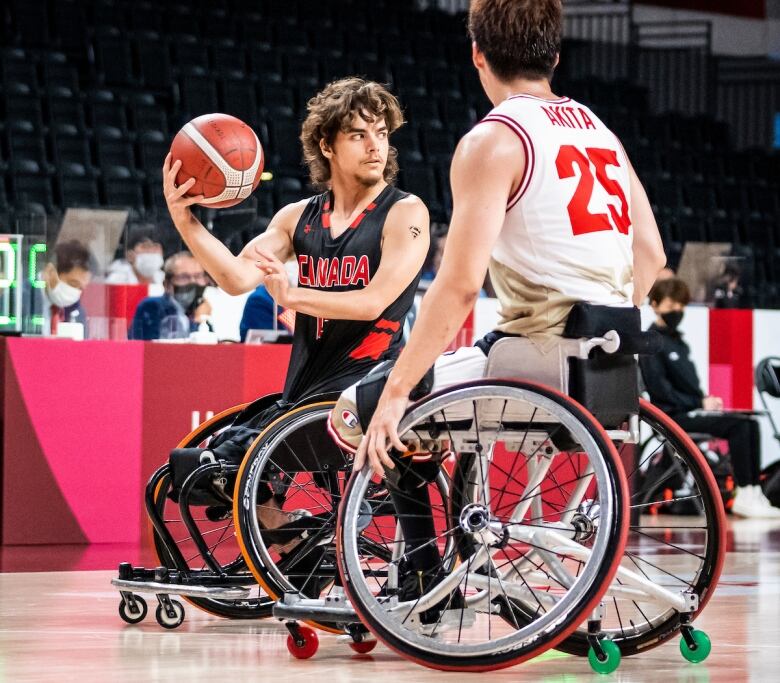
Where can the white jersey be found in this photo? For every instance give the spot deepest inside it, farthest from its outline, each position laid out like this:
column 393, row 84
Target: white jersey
column 567, row 226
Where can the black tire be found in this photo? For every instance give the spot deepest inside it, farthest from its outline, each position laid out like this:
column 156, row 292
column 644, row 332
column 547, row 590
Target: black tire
column 658, row 629
column 255, row 608
column 306, row 452
column 133, row 618
column 170, row 622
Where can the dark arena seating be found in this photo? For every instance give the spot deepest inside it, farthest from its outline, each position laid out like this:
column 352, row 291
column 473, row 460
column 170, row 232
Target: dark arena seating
column 92, row 92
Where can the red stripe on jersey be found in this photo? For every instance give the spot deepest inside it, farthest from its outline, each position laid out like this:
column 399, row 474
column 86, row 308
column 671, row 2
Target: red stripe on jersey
column 391, row 325
column 530, row 155
column 373, row 346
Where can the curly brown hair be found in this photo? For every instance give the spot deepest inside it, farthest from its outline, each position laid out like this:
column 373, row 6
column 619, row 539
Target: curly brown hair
column 519, row 38
column 331, row 110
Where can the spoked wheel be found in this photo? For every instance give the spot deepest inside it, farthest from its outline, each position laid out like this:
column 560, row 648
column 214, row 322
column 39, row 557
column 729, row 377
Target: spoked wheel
column 215, row 526
column 537, row 517
column 297, row 461
column 292, row 477
column 676, row 542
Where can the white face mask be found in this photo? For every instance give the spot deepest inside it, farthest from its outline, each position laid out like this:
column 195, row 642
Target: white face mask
column 63, row 295
column 147, row 264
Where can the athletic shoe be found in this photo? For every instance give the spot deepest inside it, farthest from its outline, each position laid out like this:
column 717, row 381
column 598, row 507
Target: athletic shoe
column 748, row 503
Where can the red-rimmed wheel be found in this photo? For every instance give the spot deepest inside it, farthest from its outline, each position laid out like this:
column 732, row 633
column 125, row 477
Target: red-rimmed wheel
column 677, row 537
column 538, row 510
column 364, row 646
column 304, row 644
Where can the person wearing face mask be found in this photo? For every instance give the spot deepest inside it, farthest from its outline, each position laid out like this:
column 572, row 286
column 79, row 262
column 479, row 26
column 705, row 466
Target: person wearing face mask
column 673, row 385
column 181, row 309
column 144, row 262
column 65, row 280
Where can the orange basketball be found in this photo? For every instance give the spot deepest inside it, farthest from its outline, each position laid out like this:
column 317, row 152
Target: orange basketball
column 223, row 154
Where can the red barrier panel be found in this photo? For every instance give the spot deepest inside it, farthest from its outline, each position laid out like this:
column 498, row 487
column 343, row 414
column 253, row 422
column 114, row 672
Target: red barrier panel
column 85, row 423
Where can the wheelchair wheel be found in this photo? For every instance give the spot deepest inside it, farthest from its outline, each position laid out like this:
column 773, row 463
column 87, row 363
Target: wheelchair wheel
column 297, row 461
column 538, row 512
column 676, row 541
column 175, row 546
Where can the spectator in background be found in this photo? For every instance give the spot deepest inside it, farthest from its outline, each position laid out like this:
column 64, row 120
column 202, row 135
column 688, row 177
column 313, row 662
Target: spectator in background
column 259, row 312
column 66, row 278
column 144, row 262
column 180, row 309
column 673, row 385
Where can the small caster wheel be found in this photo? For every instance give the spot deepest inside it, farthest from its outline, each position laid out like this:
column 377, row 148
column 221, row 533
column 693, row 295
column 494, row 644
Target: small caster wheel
column 701, row 648
column 610, row 660
column 363, row 647
column 305, row 644
column 167, row 621
column 125, row 610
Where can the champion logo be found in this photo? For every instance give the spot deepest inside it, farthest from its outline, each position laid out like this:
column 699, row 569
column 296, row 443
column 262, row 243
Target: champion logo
column 349, row 418
column 307, row 229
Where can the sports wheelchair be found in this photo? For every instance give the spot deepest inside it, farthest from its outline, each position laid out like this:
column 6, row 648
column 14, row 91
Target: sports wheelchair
column 189, row 504
column 529, row 513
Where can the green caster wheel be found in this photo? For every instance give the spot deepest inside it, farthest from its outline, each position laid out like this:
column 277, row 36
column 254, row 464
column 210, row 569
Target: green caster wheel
column 702, row 649
column 611, row 659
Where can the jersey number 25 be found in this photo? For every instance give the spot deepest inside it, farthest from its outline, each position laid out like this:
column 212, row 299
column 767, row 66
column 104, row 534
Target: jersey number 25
column 582, row 220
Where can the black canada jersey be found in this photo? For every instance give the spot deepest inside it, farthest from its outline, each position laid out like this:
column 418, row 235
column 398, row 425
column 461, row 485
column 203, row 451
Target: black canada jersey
column 330, row 355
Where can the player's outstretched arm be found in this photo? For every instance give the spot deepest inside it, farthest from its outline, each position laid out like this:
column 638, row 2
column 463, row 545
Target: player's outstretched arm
column 405, row 241
column 234, row 274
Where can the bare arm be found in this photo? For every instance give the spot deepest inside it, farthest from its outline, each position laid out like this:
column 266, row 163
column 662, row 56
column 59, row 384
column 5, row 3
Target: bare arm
column 405, row 241
column 649, row 256
column 487, row 164
column 234, row 274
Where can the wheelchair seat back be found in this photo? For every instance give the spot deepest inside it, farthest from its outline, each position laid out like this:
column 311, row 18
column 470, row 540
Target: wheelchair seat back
column 577, row 364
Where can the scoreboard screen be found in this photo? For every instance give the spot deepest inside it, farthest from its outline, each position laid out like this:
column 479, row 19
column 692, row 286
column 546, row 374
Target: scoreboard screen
column 22, row 259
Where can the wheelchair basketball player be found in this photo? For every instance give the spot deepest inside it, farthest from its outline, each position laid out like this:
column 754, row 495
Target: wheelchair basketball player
column 360, row 246
column 545, row 198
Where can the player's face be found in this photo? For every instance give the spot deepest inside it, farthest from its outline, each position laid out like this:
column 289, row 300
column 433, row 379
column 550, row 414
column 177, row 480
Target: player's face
column 361, row 151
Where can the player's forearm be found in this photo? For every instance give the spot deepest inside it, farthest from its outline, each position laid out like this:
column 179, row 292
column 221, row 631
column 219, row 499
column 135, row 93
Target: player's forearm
column 354, row 305
column 649, row 259
column 233, row 274
column 432, row 332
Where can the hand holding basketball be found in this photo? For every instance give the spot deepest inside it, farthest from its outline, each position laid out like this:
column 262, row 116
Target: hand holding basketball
column 176, row 197
column 222, row 157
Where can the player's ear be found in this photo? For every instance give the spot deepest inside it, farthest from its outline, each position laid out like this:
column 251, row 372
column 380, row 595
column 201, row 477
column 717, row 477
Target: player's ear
column 557, row 60
column 476, row 56
column 325, row 148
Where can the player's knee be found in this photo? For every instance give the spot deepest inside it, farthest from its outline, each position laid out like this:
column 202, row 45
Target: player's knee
column 343, row 422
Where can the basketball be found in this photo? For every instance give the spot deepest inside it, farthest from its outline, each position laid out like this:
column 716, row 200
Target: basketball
column 223, row 154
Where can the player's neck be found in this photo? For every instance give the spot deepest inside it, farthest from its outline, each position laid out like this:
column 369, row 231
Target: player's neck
column 522, row 86
column 352, row 197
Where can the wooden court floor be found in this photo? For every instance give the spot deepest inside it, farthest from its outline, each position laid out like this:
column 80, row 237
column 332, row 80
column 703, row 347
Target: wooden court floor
column 63, row 626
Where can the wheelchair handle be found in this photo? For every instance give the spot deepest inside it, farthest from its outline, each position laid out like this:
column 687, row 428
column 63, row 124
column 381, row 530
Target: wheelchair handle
column 609, row 343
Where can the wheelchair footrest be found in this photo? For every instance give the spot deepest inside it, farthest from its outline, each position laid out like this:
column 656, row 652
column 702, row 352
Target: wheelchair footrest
column 196, row 584
column 220, row 592
column 336, row 611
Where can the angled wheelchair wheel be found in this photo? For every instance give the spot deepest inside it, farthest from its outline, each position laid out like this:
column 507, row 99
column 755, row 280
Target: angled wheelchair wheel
column 296, row 470
column 537, row 513
column 200, row 545
column 676, row 541
column 296, row 461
